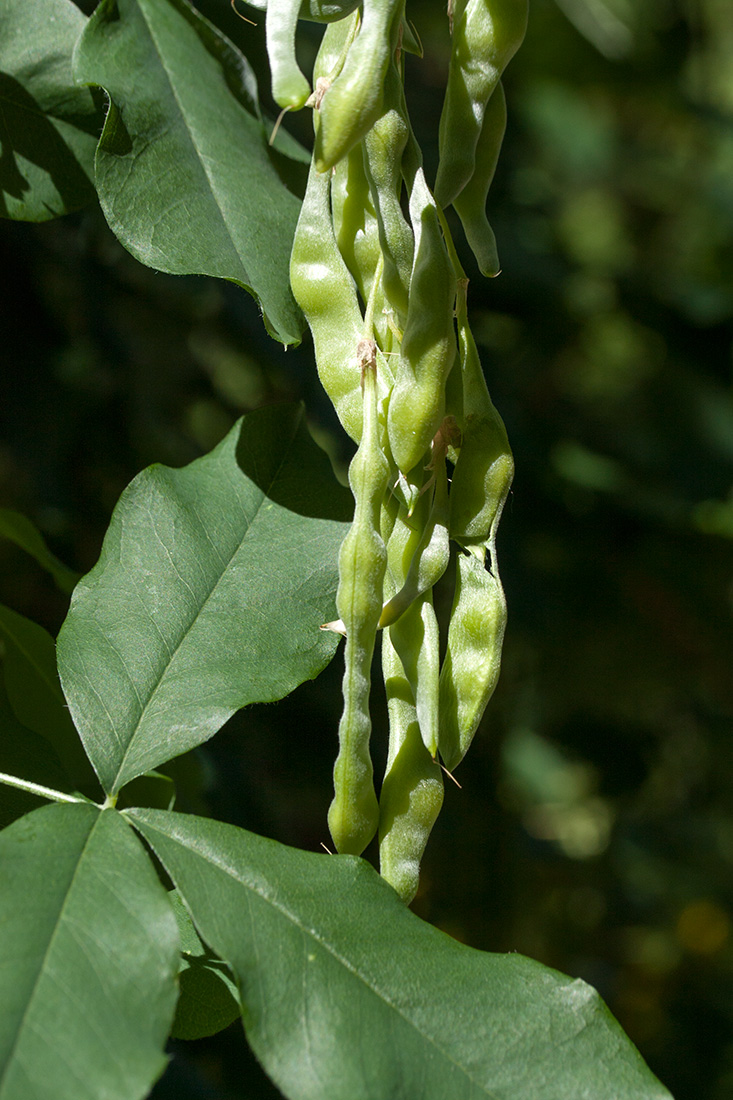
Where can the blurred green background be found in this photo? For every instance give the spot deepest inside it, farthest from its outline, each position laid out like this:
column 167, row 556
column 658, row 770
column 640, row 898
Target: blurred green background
column 594, row 826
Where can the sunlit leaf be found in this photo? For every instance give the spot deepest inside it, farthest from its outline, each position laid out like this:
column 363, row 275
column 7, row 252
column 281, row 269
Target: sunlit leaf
column 89, row 954
column 210, row 592
column 348, row 996
column 185, row 176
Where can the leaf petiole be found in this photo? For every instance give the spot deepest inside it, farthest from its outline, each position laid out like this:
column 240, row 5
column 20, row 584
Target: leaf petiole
column 37, row 788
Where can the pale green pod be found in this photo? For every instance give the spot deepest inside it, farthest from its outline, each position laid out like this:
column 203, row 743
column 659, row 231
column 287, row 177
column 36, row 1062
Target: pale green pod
column 415, row 639
column 407, row 488
column 355, row 221
column 484, row 470
column 354, row 814
column 354, row 101
column 470, row 203
column 454, row 399
column 486, row 35
column 317, row 11
column 325, row 291
column 411, row 161
column 327, row 11
column 429, row 557
column 417, row 555
column 406, row 535
column 473, row 656
column 333, row 11
column 388, row 518
column 384, row 146
column 417, row 404
column 333, row 49
column 290, row 89
column 412, row 792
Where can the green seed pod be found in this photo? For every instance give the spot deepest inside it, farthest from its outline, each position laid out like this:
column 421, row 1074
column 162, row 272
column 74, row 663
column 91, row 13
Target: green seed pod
column 354, row 220
column 333, row 11
column 412, row 791
column 417, row 404
column 290, row 89
column 415, row 639
column 429, row 556
column 408, row 526
column 485, row 467
column 332, row 53
column 327, row 11
column 411, row 161
column 388, row 518
column 427, row 567
column 454, row 405
column 354, row 814
column 470, row 204
column 354, row 101
column 486, row 35
column 408, row 490
column 325, row 291
column 384, row 146
column 317, row 11
column 417, row 555
column 473, row 656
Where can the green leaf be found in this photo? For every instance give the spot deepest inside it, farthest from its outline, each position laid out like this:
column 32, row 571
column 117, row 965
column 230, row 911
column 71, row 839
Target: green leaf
column 208, row 1000
column 19, row 529
column 348, row 996
column 209, row 594
column 48, row 125
column 34, row 692
column 185, row 177
column 89, row 956
column 25, row 755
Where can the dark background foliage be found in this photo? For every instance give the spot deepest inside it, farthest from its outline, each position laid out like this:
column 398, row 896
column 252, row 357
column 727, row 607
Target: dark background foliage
column 594, row 826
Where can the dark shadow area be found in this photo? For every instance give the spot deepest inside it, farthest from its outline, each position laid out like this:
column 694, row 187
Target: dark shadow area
column 26, row 132
column 265, row 441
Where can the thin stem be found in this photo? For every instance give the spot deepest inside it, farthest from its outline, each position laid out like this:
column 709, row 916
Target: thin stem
column 37, row 788
column 276, row 127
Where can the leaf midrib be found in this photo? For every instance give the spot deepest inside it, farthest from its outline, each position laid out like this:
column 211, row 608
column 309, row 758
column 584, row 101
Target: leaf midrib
column 42, row 968
column 210, row 179
column 307, row 931
column 265, row 496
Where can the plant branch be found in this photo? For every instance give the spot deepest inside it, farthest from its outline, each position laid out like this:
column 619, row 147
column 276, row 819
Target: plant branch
column 37, row 788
